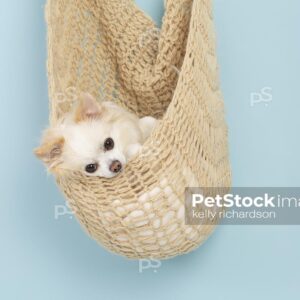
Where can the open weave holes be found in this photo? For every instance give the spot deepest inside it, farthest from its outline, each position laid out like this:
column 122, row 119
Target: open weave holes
column 112, row 50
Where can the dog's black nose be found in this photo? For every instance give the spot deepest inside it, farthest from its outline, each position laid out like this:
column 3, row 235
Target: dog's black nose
column 115, row 166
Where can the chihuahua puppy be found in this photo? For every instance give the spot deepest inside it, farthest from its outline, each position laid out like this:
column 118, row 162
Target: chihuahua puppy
column 95, row 138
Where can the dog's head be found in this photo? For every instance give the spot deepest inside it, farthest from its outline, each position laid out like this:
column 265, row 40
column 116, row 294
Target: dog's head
column 87, row 141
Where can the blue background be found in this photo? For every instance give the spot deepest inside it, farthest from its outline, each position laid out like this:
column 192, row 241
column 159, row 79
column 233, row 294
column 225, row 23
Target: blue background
column 46, row 258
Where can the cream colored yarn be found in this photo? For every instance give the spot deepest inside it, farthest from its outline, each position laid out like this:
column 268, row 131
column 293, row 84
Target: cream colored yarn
column 112, row 50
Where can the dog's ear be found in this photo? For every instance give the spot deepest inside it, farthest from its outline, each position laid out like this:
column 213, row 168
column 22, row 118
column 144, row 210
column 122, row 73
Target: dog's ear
column 50, row 150
column 87, row 108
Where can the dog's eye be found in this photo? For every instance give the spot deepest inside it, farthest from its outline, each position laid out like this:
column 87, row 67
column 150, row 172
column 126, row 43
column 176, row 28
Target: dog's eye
column 91, row 168
column 109, row 144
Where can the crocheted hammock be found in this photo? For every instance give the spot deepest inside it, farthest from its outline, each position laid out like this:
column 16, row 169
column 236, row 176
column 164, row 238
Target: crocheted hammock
column 112, row 50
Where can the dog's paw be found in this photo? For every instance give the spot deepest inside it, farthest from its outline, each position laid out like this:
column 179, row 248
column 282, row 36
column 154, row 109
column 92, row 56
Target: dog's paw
column 147, row 124
column 133, row 149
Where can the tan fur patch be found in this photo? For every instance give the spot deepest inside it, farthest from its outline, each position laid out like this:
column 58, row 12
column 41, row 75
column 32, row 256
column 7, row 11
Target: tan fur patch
column 50, row 149
column 88, row 108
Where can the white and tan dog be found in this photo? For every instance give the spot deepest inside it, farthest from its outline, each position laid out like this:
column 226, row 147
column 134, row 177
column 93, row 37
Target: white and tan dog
column 97, row 139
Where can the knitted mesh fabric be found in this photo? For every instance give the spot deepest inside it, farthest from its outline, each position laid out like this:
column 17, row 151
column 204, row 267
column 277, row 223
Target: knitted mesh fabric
column 112, row 50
